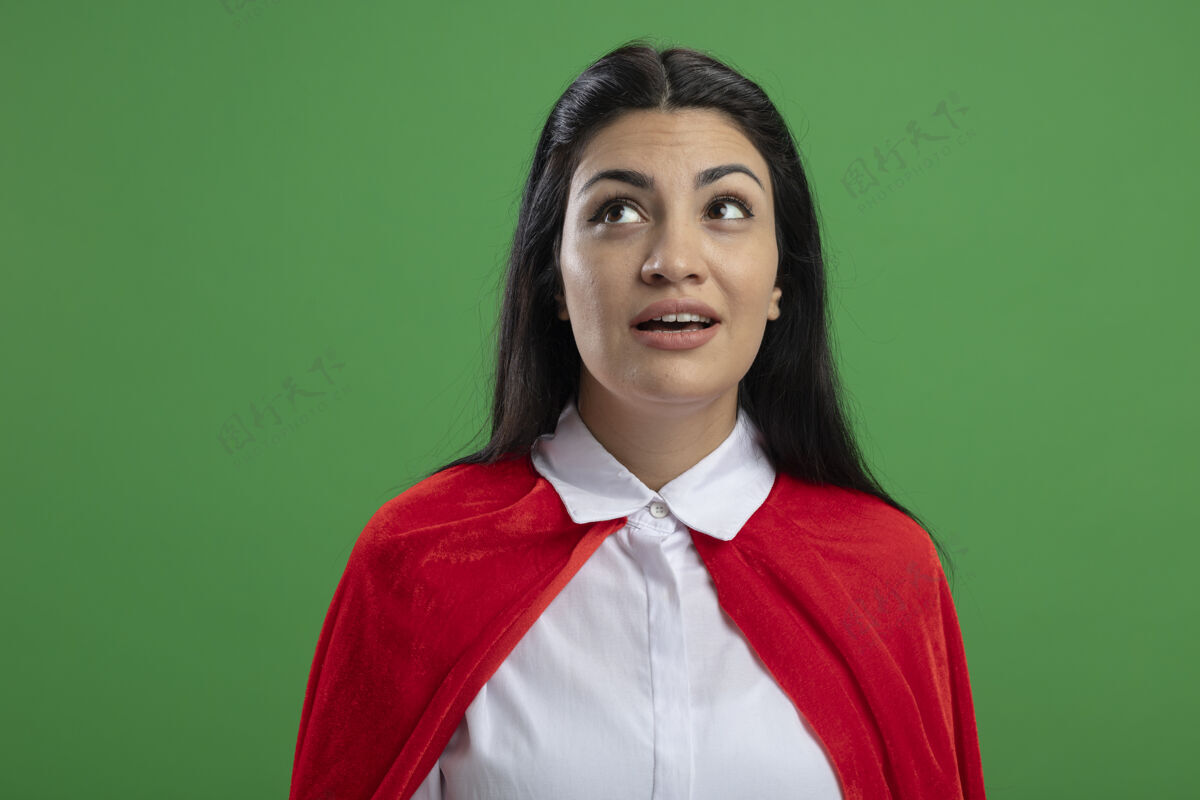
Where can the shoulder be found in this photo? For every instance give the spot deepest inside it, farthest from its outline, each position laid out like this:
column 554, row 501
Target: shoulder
column 850, row 526
column 885, row 565
column 465, row 490
column 449, row 497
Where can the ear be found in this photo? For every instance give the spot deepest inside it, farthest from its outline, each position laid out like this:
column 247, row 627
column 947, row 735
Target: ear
column 773, row 309
column 562, row 307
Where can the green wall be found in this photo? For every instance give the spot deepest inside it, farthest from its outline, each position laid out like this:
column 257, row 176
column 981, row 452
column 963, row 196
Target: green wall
column 251, row 252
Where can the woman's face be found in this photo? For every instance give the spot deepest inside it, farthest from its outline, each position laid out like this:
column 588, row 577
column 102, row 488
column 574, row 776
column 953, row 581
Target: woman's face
column 668, row 206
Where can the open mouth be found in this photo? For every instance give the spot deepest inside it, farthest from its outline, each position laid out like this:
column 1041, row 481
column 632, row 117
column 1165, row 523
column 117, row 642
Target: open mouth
column 676, row 322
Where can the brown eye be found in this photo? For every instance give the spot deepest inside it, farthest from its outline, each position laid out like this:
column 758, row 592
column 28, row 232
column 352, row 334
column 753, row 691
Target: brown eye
column 730, row 209
column 607, row 212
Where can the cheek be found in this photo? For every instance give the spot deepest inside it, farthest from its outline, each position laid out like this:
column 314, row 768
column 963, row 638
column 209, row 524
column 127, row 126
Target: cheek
column 753, row 291
column 590, row 311
column 589, row 287
column 581, row 292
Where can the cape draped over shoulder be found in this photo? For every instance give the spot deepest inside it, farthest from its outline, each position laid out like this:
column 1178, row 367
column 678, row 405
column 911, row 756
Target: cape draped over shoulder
column 840, row 595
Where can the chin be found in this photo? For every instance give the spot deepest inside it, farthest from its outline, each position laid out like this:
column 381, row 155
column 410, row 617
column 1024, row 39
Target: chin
column 674, row 393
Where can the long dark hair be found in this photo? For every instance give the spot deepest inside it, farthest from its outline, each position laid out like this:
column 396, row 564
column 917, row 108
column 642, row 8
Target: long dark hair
column 792, row 391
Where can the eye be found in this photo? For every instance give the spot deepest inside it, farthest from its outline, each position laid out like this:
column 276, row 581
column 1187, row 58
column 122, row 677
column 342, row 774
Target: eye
column 605, row 210
column 731, row 205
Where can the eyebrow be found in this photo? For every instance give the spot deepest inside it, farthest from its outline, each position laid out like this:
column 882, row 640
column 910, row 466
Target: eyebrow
column 643, row 181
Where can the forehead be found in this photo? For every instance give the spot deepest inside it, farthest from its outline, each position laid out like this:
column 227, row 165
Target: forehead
column 671, row 144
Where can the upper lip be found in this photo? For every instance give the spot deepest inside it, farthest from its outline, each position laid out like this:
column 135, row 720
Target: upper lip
column 680, row 305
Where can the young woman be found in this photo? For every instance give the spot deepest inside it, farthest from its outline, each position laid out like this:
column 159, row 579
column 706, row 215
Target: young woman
column 669, row 573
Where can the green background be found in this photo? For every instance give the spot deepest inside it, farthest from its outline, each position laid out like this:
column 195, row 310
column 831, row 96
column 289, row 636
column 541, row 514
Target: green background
column 286, row 220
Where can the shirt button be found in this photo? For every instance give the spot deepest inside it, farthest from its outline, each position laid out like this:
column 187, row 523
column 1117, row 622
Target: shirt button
column 658, row 509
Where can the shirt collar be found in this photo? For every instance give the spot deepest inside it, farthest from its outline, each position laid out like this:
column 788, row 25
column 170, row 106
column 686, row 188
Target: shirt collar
column 715, row 497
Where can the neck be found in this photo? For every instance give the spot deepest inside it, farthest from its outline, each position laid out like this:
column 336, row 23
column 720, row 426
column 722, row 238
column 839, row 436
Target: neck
column 656, row 441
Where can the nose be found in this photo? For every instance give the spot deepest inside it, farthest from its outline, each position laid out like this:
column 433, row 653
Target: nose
column 675, row 255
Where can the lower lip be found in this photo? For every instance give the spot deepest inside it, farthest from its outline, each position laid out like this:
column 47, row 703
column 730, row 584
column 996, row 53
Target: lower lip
column 676, row 340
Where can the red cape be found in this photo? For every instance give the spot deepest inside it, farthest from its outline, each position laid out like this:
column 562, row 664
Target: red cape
column 841, row 596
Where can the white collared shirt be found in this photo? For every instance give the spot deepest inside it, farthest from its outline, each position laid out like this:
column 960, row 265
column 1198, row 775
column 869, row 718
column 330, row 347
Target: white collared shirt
column 634, row 683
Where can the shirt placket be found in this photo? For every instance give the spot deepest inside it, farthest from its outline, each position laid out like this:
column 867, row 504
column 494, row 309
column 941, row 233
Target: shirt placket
column 669, row 682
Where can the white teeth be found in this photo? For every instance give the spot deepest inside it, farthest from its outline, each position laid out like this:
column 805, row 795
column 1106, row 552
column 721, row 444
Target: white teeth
column 681, row 318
